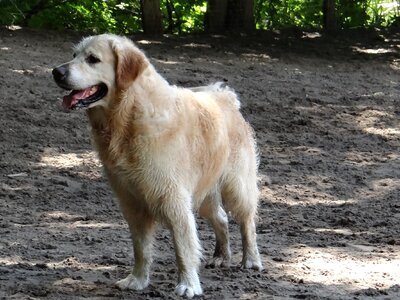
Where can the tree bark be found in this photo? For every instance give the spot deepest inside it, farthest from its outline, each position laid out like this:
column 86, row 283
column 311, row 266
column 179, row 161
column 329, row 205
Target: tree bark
column 248, row 15
column 240, row 16
column 329, row 15
column 151, row 16
column 216, row 16
column 231, row 15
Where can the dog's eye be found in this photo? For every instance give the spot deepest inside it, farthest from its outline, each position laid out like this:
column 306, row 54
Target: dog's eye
column 91, row 59
column 74, row 55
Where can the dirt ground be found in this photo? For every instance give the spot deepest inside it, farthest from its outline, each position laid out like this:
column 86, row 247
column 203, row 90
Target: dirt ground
column 326, row 112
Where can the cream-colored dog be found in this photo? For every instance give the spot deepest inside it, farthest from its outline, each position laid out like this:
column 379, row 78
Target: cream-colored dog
column 167, row 152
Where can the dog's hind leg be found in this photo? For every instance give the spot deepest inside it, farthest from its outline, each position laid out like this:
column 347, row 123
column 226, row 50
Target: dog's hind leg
column 251, row 257
column 240, row 195
column 212, row 210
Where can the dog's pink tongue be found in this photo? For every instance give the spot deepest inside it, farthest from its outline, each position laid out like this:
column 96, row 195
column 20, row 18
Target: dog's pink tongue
column 70, row 100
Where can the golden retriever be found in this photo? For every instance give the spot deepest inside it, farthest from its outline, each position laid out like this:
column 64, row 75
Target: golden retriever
column 167, row 152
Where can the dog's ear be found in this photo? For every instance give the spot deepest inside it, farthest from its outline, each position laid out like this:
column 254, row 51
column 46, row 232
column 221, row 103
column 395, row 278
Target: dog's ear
column 130, row 63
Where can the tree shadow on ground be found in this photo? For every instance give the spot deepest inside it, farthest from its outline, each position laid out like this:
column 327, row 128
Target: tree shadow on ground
column 363, row 44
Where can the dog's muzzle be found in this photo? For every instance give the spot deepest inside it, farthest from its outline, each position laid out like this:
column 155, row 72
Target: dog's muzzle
column 78, row 98
column 60, row 74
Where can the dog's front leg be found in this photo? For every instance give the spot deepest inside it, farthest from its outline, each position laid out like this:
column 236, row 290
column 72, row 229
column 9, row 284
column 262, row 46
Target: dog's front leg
column 142, row 230
column 180, row 219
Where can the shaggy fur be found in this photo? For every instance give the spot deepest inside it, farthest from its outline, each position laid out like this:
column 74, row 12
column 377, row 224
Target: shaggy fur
column 169, row 152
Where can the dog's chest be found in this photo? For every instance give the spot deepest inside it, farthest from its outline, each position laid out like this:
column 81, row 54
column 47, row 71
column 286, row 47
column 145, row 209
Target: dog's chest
column 132, row 161
column 141, row 176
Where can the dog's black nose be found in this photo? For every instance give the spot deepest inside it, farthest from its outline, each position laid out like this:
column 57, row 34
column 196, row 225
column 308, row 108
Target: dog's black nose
column 60, row 73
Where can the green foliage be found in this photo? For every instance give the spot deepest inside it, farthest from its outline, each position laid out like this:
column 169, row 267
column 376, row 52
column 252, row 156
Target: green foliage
column 367, row 13
column 288, row 13
column 12, row 13
column 87, row 15
column 194, row 20
column 383, row 12
column 183, row 16
column 124, row 16
column 352, row 13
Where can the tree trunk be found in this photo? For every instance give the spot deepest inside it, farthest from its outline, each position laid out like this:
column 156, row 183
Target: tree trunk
column 216, row 16
column 170, row 9
column 248, row 15
column 329, row 15
column 240, row 16
column 151, row 16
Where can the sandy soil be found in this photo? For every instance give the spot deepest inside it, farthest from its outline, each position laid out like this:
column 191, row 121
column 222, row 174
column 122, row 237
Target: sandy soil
column 326, row 112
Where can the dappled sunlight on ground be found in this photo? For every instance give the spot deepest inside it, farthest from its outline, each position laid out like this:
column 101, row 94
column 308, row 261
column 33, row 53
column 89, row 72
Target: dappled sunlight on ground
column 82, row 163
column 373, row 51
column 383, row 123
column 68, row 160
column 168, row 62
column 70, row 262
column 356, row 266
column 72, row 221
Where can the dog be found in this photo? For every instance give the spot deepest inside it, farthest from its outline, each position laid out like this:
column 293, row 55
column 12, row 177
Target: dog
column 168, row 153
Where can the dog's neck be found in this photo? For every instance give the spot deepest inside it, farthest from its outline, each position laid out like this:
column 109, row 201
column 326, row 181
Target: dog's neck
column 145, row 109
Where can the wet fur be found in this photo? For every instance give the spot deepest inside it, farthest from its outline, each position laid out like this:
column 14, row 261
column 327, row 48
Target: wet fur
column 169, row 152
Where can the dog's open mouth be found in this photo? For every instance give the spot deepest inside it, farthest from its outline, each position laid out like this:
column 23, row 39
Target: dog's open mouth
column 83, row 98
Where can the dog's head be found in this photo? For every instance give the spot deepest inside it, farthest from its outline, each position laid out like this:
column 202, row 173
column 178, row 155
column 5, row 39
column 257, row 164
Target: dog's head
column 103, row 67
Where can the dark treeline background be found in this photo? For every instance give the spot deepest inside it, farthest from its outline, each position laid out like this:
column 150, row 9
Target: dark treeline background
column 215, row 16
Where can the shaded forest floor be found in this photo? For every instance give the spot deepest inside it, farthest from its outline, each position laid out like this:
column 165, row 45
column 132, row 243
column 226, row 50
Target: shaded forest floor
column 326, row 113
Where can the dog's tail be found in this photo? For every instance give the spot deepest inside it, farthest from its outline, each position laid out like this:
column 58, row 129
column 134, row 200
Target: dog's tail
column 220, row 87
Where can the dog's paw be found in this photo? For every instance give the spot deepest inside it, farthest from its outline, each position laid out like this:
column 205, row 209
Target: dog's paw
column 219, row 261
column 183, row 289
column 133, row 283
column 254, row 264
